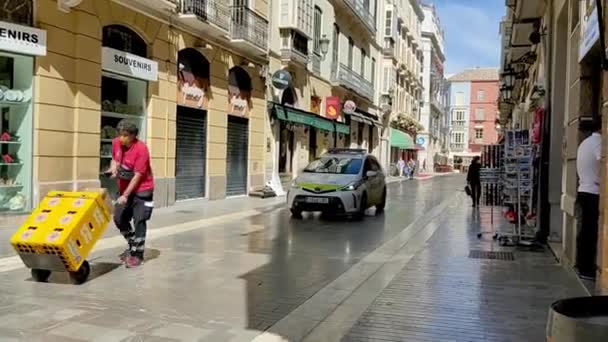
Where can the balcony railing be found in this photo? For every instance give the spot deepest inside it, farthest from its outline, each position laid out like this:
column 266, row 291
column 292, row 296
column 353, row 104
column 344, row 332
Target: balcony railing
column 458, row 126
column 344, row 76
column 457, row 147
column 361, row 10
column 249, row 26
column 389, row 48
column 215, row 12
column 294, row 56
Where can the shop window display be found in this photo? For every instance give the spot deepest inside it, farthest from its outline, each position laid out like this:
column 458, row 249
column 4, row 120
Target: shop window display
column 15, row 132
column 122, row 98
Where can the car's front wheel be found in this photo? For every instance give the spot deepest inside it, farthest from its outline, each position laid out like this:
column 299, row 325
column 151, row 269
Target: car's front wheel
column 380, row 206
column 295, row 213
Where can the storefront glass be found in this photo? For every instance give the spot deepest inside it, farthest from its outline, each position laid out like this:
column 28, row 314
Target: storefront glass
column 16, row 132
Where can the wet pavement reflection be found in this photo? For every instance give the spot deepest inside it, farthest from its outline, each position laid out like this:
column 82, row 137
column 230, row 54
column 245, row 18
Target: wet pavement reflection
column 226, row 282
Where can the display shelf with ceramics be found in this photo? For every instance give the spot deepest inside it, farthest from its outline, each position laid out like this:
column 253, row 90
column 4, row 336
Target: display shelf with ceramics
column 16, row 125
column 122, row 98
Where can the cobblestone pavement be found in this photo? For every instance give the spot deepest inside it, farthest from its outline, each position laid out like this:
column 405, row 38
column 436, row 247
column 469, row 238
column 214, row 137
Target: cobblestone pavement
column 226, row 278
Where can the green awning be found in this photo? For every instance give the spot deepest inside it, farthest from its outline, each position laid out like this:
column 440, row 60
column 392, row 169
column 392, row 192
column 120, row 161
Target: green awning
column 341, row 128
column 308, row 119
column 401, row 140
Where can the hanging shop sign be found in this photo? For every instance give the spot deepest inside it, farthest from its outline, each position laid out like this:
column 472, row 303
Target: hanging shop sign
column 349, row 107
column 127, row 64
column 315, row 105
column 22, row 39
column 238, row 101
column 590, row 29
column 420, row 141
column 192, row 89
column 281, row 79
column 332, row 107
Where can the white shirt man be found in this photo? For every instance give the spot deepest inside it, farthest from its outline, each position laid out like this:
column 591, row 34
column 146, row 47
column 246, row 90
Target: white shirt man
column 588, row 160
column 588, row 164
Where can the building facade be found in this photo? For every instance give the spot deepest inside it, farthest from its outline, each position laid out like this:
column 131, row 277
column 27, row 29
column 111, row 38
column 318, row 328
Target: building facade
column 473, row 95
column 330, row 51
column 553, row 83
column 189, row 75
column 432, row 112
column 400, row 76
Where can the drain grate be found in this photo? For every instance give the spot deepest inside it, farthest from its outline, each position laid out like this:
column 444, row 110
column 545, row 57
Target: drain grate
column 505, row 256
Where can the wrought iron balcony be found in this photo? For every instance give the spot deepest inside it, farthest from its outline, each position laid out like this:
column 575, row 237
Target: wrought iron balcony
column 249, row 30
column 362, row 11
column 347, row 78
column 207, row 15
column 291, row 55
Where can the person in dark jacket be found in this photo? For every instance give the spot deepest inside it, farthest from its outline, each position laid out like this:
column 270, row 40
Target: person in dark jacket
column 474, row 180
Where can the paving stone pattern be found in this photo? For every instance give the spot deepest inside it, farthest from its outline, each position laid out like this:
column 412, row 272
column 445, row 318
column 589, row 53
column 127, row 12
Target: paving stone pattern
column 442, row 295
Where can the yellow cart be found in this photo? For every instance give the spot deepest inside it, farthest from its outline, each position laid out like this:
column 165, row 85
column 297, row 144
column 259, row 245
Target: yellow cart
column 59, row 235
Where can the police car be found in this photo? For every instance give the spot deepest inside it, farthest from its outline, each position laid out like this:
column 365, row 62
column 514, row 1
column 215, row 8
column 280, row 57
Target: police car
column 342, row 181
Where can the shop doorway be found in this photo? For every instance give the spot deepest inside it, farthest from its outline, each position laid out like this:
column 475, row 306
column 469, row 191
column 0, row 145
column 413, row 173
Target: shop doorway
column 236, row 160
column 190, row 153
column 191, row 127
column 312, row 144
column 237, row 152
column 286, row 147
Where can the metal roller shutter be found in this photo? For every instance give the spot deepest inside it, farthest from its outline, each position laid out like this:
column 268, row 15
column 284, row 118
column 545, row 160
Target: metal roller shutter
column 236, row 156
column 191, row 145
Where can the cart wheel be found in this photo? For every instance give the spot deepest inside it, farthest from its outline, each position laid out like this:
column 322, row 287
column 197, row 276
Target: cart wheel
column 80, row 276
column 40, row 275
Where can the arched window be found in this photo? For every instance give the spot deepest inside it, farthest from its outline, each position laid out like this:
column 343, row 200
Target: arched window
column 239, row 91
column 124, row 39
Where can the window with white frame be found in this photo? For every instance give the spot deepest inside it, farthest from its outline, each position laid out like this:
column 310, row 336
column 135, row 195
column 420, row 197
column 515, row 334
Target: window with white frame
column 457, row 137
column 317, row 31
column 458, row 115
column 481, row 95
column 388, row 24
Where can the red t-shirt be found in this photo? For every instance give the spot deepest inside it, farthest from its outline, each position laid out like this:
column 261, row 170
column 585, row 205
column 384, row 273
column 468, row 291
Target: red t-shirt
column 134, row 158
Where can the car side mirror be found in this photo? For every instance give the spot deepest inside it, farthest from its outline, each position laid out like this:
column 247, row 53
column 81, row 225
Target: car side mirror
column 370, row 174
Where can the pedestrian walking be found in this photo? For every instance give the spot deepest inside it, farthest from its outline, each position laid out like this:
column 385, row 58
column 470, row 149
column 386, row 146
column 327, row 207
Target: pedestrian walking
column 474, row 181
column 131, row 166
column 588, row 159
column 401, row 166
column 412, row 165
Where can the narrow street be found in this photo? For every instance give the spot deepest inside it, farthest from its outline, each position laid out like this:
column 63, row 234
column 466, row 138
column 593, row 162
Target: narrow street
column 256, row 274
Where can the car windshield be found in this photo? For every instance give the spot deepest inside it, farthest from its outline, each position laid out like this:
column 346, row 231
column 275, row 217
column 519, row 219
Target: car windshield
column 335, row 165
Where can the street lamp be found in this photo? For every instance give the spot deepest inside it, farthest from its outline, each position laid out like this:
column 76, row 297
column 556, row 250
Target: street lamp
column 506, row 92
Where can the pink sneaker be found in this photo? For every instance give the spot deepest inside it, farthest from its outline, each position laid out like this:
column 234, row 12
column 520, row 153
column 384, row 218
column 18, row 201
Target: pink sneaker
column 133, row 262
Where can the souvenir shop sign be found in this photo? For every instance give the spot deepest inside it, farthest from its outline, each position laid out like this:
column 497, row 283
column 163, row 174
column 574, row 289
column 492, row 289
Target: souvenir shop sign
column 238, row 101
column 349, row 107
column 192, row 89
column 332, row 107
column 127, row 64
column 22, row 39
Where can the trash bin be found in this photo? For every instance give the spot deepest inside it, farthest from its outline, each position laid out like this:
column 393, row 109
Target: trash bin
column 583, row 319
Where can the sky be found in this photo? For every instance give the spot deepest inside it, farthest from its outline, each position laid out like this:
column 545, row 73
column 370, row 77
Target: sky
column 471, row 32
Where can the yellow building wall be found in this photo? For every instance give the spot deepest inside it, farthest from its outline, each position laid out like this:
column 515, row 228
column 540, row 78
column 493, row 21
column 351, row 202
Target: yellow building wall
column 67, row 102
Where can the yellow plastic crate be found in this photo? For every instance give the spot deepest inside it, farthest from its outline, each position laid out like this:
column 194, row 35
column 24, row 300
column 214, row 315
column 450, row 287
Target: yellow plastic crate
column 61, row 232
